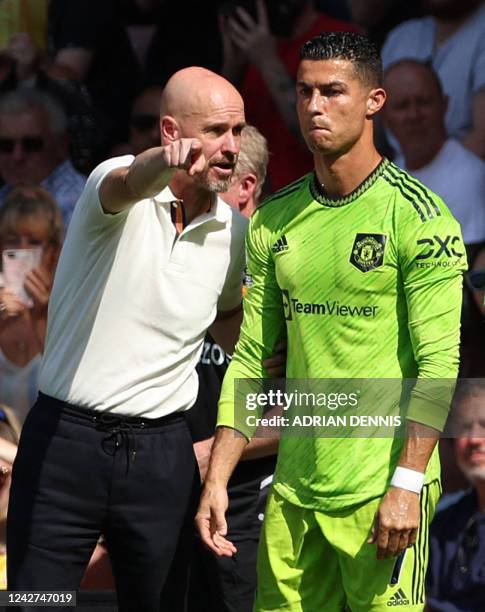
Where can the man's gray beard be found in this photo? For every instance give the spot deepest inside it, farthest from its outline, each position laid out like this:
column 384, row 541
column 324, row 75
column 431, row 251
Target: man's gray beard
column 213, row 185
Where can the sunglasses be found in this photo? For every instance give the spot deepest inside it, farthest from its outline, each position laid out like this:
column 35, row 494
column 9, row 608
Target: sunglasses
column 30, row 144
column 476, row 279
column 144, row 123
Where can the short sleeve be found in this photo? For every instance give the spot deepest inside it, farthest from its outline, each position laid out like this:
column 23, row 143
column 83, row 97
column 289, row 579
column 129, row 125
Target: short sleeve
column 88, row 210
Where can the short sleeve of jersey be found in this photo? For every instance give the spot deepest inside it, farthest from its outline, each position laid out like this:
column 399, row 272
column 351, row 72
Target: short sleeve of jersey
column 263, row 324
column 432, row 260
column 89, row 210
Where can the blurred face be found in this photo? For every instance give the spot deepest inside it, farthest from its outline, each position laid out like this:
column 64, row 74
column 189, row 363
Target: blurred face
column 415, row 109
column 218, row 125
column 145, row 121
column 31, row 232
column 29, row 152
column 470, row 445
column 331, row 105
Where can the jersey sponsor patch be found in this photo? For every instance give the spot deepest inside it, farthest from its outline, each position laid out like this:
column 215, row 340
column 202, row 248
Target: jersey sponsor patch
column 331, row 308
column 368, row 251
column 439, row 251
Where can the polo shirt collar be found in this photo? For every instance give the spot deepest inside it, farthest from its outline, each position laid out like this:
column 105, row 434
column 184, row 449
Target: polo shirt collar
column 220, row 211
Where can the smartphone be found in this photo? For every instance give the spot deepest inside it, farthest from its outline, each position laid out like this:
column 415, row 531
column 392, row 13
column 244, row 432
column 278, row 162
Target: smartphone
column 17, row 263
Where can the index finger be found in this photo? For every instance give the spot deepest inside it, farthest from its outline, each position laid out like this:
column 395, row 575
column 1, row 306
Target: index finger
column 262, row 13
column 382, row 541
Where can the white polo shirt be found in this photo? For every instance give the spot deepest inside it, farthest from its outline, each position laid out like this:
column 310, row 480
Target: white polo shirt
column 131, row 302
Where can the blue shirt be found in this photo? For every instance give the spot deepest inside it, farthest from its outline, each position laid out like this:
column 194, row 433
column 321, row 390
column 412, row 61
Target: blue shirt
column 456, row 572
column 65, row 184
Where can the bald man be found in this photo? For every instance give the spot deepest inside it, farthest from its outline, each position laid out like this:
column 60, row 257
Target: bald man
column 153, row 256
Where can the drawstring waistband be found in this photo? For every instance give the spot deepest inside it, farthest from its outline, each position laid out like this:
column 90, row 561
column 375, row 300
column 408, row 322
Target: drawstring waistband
column 119, row 430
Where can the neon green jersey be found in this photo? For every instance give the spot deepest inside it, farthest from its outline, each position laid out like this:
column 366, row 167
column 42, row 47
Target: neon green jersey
column 366, row 286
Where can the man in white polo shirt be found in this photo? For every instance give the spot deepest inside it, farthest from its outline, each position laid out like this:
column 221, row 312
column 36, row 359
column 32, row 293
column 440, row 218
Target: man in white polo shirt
column 151, row 257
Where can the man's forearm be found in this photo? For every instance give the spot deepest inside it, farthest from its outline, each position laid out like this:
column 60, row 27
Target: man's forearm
column 418, row 446
column 226, row 452
column 260, row 447
column 148, row 174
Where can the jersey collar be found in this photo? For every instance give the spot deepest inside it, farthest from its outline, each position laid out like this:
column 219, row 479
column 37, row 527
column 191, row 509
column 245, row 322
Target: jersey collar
column 320, row 195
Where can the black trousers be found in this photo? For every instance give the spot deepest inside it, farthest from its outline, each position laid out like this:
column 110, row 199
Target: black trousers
column 80, row 473
column 223, row 584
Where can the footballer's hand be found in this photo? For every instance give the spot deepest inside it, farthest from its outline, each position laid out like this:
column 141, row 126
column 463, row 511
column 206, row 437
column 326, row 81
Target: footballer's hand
column 211, row 522
column 396, row 523
column 186, row 154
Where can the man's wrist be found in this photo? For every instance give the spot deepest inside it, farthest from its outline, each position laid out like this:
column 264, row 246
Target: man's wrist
column 410, row 480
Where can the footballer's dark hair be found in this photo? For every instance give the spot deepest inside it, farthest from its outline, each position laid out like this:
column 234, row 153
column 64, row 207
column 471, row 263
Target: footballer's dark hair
column 355, row 48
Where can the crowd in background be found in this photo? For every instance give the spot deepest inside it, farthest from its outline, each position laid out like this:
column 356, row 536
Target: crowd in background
column 80, row 81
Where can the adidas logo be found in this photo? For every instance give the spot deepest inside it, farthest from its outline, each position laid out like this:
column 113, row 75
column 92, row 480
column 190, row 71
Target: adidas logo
column 398, row 599
column 280, row 245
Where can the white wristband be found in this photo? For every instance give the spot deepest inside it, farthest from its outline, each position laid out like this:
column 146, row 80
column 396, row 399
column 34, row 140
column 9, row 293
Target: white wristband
column 404, row 478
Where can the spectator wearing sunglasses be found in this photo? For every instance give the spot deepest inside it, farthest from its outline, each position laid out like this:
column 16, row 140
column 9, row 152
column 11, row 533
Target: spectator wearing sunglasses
column 144, row 130
column 456, row 576
column 34, row 148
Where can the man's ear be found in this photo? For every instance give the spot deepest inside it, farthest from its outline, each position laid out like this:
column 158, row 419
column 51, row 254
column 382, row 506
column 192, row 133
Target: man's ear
column 247, row 187
column 169, row 129
column 375, row 101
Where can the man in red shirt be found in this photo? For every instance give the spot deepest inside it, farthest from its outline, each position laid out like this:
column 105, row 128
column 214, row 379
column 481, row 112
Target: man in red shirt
column 260, row 50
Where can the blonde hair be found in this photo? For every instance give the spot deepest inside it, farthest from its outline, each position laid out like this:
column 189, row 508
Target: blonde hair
column 253, row 157
column 25, row 201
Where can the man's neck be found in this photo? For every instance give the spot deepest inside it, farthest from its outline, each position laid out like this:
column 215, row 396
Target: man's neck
column 340, row 175
column 417, row 157
column 196, row 201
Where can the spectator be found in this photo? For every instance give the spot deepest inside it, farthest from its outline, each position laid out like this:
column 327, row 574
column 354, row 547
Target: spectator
column 34, row 148
column 452, row 37
column 29, row 16
column 456, row 576
column 144, row 123
column 218, row 583
column 116, row 47
column 415, row 114
column 23, row 66
column 472, row 359
column 29, row 218
column 9, row 437
column 261, row 55
column 378, row 17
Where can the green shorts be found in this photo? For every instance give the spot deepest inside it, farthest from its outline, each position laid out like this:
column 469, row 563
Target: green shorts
column 312, row 561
